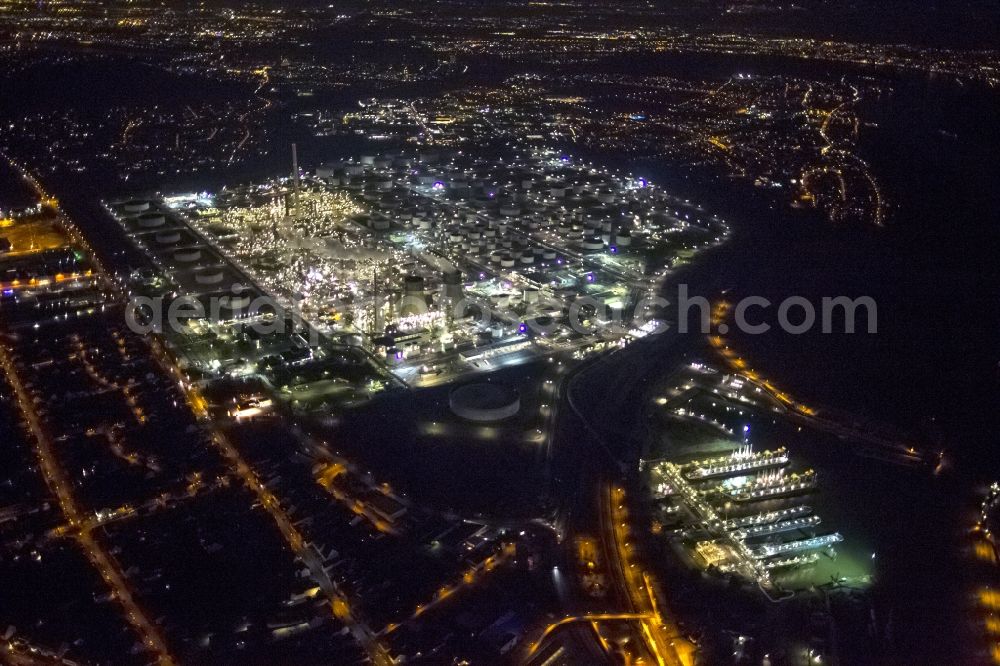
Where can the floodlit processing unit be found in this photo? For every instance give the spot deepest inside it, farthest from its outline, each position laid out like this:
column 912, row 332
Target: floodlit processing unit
column 432, row 265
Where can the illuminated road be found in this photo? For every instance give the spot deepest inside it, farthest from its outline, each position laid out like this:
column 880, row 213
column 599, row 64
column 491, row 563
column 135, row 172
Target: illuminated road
column 471, row 577
column 657, row 637
column 659, row 632
column 77, row 521
column 899, row 450
column 340, row 605
column 56, row 478
column 62, row 488
column 595, row 617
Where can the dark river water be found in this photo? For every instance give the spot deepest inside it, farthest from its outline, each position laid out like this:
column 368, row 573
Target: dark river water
column 930, row 370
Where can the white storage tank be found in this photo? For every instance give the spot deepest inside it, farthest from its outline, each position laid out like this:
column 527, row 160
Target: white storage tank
column 484, row 402
column 168, row 237
column 151, row 220
column 135, row 206
column 327, row 171
column 208, row 276
column 187, row 256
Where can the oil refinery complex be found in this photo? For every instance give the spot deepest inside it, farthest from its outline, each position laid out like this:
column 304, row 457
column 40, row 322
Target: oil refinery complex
column 409, row 268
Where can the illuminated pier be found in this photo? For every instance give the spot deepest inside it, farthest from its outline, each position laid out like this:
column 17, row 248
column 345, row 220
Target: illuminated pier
column 769, row 517
column 776, row 528
column 724, row 542
column 794, row 561
column 773, row 485
column 740, row 461
column 770, row 550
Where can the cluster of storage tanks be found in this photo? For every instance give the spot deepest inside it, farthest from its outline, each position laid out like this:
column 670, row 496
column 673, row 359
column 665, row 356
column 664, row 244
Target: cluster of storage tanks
column 194, row 268
column 473, row 204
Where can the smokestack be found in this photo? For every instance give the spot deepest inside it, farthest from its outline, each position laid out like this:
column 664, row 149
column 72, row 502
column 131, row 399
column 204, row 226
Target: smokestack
column 295, row 178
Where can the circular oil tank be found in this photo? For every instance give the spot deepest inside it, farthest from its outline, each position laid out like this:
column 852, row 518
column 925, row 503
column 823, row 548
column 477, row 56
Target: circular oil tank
column 548, row 255
column 326, row 171
column 209, row 276
column 187, row 256
column 136, row 206
column 236, row 303
column 593, row 244
column 484, row 402
column 168, row 237
column 151, row 220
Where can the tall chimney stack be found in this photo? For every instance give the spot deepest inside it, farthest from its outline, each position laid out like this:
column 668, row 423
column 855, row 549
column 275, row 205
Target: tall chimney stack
column 295, row 179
